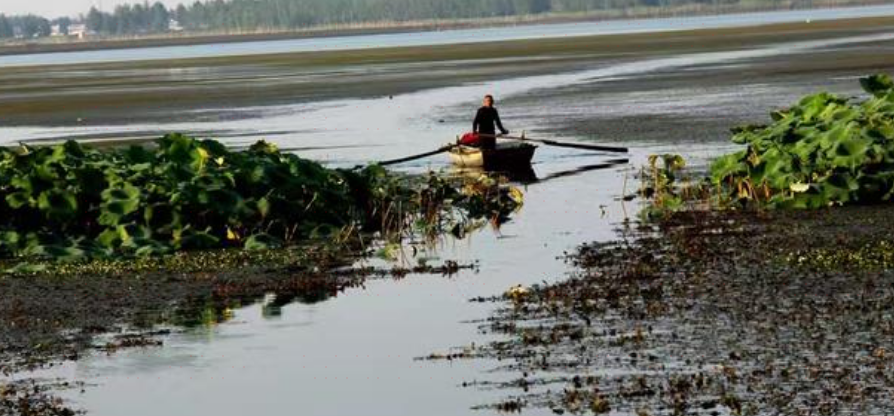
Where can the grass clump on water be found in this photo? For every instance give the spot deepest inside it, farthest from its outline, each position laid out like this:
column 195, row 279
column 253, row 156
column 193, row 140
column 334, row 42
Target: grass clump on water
column 68, row 202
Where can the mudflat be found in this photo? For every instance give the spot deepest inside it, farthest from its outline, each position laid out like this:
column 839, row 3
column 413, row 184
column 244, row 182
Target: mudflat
column 159, row 91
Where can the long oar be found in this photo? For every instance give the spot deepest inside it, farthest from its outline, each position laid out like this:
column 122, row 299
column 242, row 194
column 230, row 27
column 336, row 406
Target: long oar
column 595, row 147
column 419, row 156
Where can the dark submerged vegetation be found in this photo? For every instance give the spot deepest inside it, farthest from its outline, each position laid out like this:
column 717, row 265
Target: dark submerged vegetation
column 69, row 202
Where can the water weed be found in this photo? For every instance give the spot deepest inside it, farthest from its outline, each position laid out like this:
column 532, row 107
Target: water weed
column 69, row 202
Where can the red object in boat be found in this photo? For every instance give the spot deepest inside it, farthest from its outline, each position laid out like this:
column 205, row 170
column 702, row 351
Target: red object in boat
column 470, row 139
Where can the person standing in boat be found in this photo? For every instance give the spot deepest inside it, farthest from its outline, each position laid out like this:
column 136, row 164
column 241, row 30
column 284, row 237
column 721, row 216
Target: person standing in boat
column 485, row 121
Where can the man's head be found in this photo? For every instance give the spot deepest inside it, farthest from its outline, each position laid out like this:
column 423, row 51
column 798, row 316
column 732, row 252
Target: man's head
column 488, row 100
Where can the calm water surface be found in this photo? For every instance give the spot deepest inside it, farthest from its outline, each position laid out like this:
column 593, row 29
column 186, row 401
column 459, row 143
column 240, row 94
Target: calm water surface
column 354, row 354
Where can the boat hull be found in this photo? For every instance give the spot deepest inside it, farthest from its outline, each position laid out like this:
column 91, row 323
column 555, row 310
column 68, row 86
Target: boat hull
column 506, row 156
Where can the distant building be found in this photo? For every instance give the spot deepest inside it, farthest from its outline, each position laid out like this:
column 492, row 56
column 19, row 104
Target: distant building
column 56, row 30
column 174, row 26
column 78, row 30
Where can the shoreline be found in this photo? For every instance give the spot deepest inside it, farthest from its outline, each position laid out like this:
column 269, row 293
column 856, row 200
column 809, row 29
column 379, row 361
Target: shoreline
column 383, row 28
column 141, row 91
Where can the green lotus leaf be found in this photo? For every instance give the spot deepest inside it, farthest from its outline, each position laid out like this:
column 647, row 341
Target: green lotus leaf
column 214, row 148
column 57, row 155
column 842, row 114
column 74, row 149
column 91, row 181
column 806, row 200
column 775, row 170
column 58, row 203
column 127, row 232
column 193, row 239
column 833, row 137
column 68, row 251
column 806, row 150
column 26, row 268
column 20, row 199
column 878, row 85
column 10, row 241
column 262, row 241
column 22, row 182
column 674, row 162
column 138, row 154
column 118, row 203
column 263, row 206
column 264, row 147
column 875, row 187
column 850, row 152
column 225, row 201
column 814, row 106
column 153, row 200
column 109, row 238
column 64, row 253
column 835, row 150
column 46, row 173
column 729, row 165
column 839, row 188
column 147, row 247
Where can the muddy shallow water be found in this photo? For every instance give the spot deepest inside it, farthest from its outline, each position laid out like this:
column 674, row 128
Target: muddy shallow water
column 354, row 354
column 443, row 37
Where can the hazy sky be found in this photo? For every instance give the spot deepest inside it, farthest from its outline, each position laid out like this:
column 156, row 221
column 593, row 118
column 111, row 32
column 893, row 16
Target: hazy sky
column 56, row 8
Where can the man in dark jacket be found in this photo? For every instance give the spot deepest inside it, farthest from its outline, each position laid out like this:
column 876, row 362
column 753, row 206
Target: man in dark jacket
column 485, row 120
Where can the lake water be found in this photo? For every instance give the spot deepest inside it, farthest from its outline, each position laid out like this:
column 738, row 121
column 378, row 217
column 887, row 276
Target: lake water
column 354, row 354
column 446, row 37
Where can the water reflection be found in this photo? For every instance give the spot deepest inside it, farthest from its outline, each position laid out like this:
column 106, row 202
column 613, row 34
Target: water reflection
column 528, row 175
column 608, row 164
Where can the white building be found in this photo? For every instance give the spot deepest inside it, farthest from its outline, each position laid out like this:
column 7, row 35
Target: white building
column 78, row 30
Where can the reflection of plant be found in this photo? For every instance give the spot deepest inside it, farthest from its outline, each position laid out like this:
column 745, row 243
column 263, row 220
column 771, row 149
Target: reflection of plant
column 70, row 202
column 825, row 150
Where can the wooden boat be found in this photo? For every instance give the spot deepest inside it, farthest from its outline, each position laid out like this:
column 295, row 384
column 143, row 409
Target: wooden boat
column 507, row 156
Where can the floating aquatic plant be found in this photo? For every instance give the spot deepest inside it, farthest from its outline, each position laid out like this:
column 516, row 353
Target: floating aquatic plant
column 824, row 150
column 70, row 202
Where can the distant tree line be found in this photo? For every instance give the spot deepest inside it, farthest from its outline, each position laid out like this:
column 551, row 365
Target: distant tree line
column 141, row 18
column 130, row 19
column 291, row 14
column 29, row 26
column 245, row 15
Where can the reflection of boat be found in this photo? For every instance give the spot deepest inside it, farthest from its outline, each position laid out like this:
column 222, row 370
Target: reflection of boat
column 524, row 175
column 506, row 156
column 527, row 176
column 586, row 168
